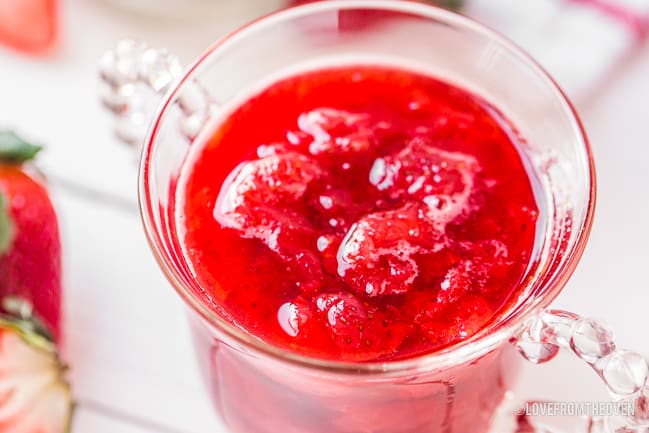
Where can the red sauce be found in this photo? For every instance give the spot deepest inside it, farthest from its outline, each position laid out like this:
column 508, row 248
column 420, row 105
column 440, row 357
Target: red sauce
column 360, row 213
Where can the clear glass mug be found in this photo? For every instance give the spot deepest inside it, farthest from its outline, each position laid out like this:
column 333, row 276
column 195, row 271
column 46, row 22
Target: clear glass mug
column 259, row 388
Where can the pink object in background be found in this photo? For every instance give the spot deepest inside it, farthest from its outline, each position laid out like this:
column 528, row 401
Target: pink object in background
column 634, row 19
column 578, row 41
column 29, row 26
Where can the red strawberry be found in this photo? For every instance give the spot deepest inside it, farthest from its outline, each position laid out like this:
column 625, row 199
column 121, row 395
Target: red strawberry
column 377, row 256
column 28, row 25
column 338, row 132
column 443, row 180
column 30, row 249
column 256, row 201
column 353, row 324
column 256, row 189
column 34, row 394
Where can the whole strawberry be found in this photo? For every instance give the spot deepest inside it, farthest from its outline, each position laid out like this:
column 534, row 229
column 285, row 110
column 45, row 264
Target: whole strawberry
column 30, row 248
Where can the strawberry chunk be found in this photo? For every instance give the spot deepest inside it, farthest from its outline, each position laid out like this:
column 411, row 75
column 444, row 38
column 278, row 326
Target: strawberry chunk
column 473, row 314
column 273, row 180
column 368, row 332
column 472, row 274
column 442, row 180
column 331, row 202
column 334, row 208
column 377, row 256
column 387, row 332
column 261, row 200
column 345, row 316
column 332, row 131
column 459, row 280
column 452, row 325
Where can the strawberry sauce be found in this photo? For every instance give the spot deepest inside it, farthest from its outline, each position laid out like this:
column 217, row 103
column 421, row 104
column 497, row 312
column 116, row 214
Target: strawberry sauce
column 359, row 214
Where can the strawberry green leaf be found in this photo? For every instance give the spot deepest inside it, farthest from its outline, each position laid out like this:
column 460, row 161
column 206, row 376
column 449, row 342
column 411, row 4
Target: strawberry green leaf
column 6, row 226
column 26, row 332
column 13, row 149
column 450, row 4
column 21, row 313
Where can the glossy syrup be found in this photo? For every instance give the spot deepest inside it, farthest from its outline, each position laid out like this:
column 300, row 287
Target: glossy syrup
column 360, row 213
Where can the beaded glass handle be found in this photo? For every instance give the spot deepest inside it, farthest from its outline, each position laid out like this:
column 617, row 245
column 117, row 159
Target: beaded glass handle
column 134, row 77
column 624, row 372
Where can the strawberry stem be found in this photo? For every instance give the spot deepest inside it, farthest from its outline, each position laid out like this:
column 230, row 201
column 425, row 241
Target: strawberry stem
column 6, row 226
column 449, row 4
column 454, row 4
column 14, row 149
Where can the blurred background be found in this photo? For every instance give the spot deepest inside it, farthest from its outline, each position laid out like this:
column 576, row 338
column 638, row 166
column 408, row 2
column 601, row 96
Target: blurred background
column 124, row 329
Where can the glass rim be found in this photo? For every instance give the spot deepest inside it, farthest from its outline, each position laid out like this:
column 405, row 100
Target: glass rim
column 461, row 352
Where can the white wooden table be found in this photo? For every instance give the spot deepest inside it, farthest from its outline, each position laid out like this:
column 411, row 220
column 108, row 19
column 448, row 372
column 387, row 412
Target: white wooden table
column 126, row 337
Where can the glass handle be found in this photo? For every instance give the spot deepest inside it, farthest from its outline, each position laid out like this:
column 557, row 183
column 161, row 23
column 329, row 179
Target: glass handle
column 623, row 372
column 135, row 77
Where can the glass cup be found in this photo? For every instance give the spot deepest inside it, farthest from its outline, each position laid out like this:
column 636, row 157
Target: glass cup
column 260, row 388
